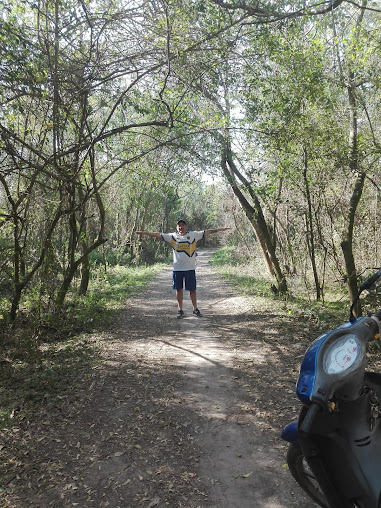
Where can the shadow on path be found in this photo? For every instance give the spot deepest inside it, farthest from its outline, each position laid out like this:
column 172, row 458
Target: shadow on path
column 178, row 413
column 241, row 459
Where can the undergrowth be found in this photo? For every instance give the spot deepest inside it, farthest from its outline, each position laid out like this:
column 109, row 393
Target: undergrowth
column 251, row 278
column 43, row 357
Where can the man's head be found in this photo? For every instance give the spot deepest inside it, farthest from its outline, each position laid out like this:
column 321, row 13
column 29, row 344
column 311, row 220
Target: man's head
column 181, row 227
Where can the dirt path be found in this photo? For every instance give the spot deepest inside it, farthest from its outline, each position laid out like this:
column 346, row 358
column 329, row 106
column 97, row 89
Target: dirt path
column 179, row 413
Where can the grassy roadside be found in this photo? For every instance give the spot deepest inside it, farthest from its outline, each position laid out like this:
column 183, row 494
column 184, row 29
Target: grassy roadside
column 44, row 361
column 296, row 311
column 252, row 279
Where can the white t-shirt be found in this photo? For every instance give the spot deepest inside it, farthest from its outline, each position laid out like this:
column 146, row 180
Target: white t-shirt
column 184, row 249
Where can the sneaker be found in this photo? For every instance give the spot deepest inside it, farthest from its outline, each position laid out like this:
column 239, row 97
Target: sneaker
column 197, row 313
column 180, row 314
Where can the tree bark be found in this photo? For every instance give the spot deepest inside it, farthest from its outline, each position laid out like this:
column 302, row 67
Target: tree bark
column 347, row 238
column 347, row 243
column 255, row 215
column 354, row 165
column 87, row 247
column 309, row 226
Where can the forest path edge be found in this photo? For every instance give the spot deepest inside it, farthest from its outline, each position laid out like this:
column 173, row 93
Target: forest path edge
column 179, row 413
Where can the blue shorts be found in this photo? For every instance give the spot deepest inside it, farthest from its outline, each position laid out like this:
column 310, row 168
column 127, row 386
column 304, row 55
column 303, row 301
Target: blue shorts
column 190, row 280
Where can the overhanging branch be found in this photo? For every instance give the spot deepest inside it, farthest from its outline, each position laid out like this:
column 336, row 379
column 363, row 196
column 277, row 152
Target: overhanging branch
column 255, row 9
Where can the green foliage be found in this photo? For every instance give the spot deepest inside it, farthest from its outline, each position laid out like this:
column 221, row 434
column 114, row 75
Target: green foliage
column 108, row 293
column 97, row 119
column 4, row 312
column 233, row 266
column 199, row 204
column 226, row 256
column 109, row 257
column 106, row 296
column 236, row 269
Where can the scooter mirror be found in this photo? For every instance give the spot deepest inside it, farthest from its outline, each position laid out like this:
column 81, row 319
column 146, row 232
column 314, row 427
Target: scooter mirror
column 368, row 283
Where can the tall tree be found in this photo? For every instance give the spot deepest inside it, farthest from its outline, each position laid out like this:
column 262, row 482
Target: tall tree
column 350, row 81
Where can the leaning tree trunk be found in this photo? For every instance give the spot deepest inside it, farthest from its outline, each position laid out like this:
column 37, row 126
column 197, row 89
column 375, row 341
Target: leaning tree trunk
column 359, row 175
column 347, row 238
column 255, row 215
column 347, row 242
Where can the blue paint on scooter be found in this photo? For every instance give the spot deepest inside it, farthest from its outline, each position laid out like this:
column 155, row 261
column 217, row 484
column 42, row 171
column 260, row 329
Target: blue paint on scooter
column 338, row 434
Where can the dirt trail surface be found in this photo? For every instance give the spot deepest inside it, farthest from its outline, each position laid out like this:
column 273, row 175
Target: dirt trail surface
column 178, row 413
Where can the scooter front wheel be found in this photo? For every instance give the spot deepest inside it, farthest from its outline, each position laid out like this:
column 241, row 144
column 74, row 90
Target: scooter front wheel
column 301, row 472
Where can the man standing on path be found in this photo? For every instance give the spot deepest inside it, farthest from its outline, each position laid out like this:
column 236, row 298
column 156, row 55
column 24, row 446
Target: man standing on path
column 184, row 260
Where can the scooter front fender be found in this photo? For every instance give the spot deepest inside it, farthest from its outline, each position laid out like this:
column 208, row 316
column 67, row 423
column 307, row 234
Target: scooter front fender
column 290, row 432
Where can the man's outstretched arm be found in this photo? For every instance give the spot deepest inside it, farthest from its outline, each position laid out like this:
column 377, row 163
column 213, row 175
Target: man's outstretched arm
column 211, row 231
column 148, row 233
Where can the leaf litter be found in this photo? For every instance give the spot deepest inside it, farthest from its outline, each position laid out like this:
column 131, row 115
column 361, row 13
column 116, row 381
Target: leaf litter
column 117, row 432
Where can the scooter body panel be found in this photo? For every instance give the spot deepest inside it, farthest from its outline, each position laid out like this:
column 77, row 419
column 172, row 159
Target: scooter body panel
column 344, row 452
column 306, row 384
column 338, row 432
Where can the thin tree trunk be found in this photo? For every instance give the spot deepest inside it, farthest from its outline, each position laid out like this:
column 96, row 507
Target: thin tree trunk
column 347, row 242
column 347, row 238
column 354, row 165
column 85, row 277
column 309, row 226
column 75, row 263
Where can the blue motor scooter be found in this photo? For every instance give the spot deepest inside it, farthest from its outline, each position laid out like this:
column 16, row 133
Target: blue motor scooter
column 335, row 446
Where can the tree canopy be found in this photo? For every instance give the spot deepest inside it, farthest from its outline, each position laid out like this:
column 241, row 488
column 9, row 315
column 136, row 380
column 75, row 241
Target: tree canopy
column 116, row 116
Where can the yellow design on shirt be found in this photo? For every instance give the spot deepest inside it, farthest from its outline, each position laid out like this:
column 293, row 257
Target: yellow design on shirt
column 186, row 247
